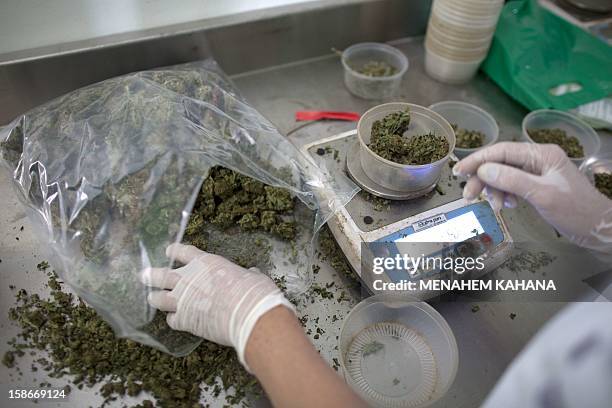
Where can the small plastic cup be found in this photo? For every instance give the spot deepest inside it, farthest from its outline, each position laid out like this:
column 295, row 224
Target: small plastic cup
column 479, row 10
column 572, row 124
column 396, row 351
column 456, row 53
column 465, row 19
column 460, row 30
column 470, row 13
column 471, row 117
column 456, row 41
column 449, row 71
column 368, row 87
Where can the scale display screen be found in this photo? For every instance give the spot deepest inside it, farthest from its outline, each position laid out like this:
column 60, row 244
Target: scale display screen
column 457, row 225
column 441, row 229
column 470, row 229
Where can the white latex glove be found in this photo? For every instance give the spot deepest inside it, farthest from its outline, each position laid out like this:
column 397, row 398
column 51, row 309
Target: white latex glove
column 545, row 177
column 212, row 297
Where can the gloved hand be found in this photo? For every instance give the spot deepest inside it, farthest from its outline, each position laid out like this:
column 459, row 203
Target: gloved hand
column 212, row 297
column 545, row 177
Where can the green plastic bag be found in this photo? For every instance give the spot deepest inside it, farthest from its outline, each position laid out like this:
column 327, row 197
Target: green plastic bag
column 543, row 61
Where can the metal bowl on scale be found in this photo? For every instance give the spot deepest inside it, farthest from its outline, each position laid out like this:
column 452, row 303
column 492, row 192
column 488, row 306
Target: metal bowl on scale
column 408, row 181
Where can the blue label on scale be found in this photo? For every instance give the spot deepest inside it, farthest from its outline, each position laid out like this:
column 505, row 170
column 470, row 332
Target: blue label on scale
column 474, row 222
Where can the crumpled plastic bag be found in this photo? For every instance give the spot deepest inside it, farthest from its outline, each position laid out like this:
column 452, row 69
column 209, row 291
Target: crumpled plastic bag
column 110, row 172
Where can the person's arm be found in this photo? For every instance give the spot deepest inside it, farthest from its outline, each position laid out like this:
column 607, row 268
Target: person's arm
column 218, row 300
column 569, row 363
column 290, row 369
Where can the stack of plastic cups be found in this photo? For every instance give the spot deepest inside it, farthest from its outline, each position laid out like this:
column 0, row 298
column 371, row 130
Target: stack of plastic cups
column 458, row 37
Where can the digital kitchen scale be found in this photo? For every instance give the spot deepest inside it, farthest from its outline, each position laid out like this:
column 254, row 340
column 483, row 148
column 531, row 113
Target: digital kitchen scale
column 441, row 215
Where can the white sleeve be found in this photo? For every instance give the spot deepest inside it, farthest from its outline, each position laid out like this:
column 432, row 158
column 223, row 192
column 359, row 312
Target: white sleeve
column 567, row 364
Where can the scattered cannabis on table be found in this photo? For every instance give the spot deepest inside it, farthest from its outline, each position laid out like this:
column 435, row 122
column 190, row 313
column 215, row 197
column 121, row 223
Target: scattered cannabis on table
column 388, row 141
column 570, row 144
column 83, row 346
column 528, row 261
column 468, row 139
column 603, row 182
column 332, row 253
column 379, row 204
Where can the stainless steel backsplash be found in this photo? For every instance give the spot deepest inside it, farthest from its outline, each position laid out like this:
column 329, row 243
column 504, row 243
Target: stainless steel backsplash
column 30, row 78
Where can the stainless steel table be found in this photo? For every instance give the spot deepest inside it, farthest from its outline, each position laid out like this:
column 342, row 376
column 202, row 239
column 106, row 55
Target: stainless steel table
column 488, row 340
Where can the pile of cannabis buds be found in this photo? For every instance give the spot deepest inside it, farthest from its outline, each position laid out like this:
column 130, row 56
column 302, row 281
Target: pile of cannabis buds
column 570, row 144
column 468, row 139
column 603, row 182
column 83, row 346
column 388, row 141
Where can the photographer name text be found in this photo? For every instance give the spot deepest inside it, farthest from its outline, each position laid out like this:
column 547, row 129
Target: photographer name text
column 467, row 285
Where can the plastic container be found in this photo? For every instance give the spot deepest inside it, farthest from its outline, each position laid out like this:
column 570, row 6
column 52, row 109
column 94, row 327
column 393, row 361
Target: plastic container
column 458, row 38
column 396, row 351
column 458, row 45
column 403, row 177
column 471, row 6
column 456, row 53
column 601, row 163
column 466, row 9
column 478, row 10
column 449, row 39
column 465, row 19
column 460, row 31
column 368, row 87
column 450, row 71
column 475, row 9
column 471, row 117
column 572, row 124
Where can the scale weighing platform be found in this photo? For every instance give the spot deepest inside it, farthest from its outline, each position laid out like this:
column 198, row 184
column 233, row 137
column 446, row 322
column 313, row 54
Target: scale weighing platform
column 439, row 216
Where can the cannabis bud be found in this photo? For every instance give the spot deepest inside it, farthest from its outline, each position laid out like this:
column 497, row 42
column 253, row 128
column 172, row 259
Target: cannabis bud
column 468, row 139
column 603, row 182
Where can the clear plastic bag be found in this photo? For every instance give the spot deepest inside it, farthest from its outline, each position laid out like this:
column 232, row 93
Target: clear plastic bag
column 110, row 174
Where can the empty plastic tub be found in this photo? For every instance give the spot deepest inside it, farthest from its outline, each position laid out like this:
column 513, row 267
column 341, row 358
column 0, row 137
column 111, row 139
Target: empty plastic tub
column 396, row 351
